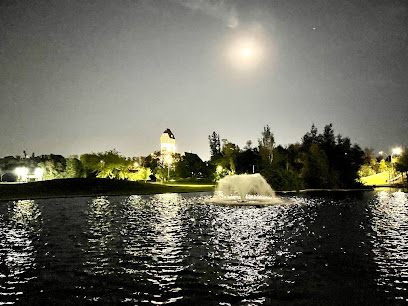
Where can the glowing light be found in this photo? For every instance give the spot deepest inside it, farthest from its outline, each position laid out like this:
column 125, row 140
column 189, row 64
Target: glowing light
column 246, row 52
column 22, row 173
column 18, row 171
column 247, row 49
column 38, row 173
column 397, row 151
column 168, row 159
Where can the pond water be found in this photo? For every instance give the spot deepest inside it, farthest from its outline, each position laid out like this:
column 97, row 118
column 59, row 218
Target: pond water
column 319, row 248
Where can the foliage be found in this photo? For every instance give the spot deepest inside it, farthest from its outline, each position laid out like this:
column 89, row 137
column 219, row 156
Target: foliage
column 215, row 144
column 248, row 160
column 315, row 171
column 279, row 179
column 152, row 161
column 74, row 168
column 161, row 173
column 373, row 166
column 53, row 167
column 142, row 174
column 402, row 164
column 90, row 164
column 229, row 152
column 266, row 145
column 111, row 164
column 190, row 166
column 366, row 170
column 319, row 161
column 337, row 161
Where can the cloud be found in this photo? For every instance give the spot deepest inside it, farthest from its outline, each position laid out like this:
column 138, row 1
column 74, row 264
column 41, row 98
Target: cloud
column 220, row 9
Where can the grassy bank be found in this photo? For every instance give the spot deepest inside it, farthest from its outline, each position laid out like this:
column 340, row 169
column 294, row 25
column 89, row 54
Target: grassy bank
column 91, row 187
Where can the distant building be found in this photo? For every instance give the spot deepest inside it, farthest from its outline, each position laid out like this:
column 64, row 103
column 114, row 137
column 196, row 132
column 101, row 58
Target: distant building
column 167, row 143
column 167, row 147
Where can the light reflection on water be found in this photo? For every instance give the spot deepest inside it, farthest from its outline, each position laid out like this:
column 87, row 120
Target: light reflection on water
column 172, row 248
column 101, row 237
column 247, row 242
column 18, row 228
column 156, row 248
column 390, row 242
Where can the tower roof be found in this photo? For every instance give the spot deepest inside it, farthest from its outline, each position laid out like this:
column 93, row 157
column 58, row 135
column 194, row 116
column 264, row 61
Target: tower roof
column 171, row 135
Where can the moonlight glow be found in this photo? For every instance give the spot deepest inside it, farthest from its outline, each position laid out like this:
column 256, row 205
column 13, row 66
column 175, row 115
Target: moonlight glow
column 247, row 50
column 245, row 53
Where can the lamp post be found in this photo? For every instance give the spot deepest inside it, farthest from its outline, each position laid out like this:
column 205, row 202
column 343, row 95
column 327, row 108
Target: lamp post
column 395, row 151
column 168, row 160
column 382, row 153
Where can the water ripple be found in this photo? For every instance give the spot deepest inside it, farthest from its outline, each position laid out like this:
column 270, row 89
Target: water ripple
column 173, row 248
column 18, row 228
column 390, row 242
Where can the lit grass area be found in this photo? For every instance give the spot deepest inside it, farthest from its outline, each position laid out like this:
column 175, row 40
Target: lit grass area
column 376, row 179
column 188, row 184
column 91, row 187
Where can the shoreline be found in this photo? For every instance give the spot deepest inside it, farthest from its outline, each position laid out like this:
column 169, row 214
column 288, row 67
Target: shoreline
column 69, row 188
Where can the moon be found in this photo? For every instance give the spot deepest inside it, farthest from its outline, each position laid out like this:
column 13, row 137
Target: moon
column 248, row 50
column 245, row 53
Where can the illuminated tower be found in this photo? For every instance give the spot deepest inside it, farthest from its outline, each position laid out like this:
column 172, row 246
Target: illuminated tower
column 167, row 143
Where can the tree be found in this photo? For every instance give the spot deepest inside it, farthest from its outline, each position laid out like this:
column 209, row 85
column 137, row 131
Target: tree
column 53, row 167
column 112, row 165
column 73, row 168
column 328, row 143
column 215, row 144
column 229, row 153
column 310, row 137
column 90, row 163
column 248, row 160
column 248, row 145
column 366, row 170
column 190, row 165
column 315, row 171
column 142, row 174
column 281, row 174
column 152, row 161
column 402, row 164
column 368, row 155
column 266, row 145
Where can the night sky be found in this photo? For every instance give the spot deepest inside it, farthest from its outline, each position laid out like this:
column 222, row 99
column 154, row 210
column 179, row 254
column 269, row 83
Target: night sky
column 89, row 76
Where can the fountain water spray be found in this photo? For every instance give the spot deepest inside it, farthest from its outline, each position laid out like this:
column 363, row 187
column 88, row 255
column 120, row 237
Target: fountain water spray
column 244, row 189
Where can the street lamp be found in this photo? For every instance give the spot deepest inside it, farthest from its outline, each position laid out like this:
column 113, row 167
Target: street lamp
column 383, row 153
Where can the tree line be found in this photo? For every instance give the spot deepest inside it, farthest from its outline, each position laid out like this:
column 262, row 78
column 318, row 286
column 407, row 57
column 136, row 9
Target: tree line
column 109, row 164
column 319, row 160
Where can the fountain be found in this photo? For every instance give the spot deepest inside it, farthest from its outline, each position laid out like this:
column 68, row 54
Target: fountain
column 244, row 189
